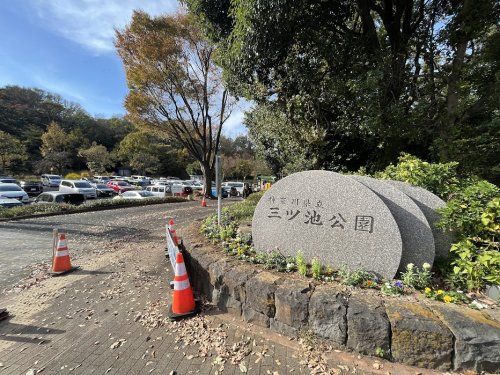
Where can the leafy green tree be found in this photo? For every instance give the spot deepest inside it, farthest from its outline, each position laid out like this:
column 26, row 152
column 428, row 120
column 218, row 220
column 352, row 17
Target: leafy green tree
column 137, row 150
column 56, row 149
column 366, row 79
column 97, row 158
column 175, row 86
column 11, row 151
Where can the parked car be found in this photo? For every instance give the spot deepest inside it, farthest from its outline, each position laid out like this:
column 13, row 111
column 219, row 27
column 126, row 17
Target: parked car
column 195, row 185
column 119, row 186
column 102, row 179
column 238, row 186
column 52, row 180
column 8, row 180
column 9, row 202
column 161, row 190
column 60, row 197
column 78, row 186
column 103, row 190
column 13, row 191
column 181, row 189
column 224, row 193
column 32, row 188
column 135, row 194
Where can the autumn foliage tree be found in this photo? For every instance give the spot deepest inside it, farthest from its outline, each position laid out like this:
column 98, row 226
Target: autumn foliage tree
column 175, row 86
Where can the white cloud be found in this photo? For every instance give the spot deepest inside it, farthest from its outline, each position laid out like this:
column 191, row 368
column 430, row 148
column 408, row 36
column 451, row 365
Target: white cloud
column 234, row 124
column 91, row 23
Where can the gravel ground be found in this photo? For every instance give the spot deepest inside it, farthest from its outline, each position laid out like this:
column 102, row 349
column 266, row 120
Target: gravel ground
column 26, row 245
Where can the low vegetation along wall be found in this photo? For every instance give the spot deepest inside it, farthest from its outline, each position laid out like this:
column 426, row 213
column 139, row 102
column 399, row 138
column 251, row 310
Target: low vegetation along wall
column 425, row 334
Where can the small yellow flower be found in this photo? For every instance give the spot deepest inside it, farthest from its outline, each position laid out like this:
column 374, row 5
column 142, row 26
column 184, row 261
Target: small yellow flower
column 427, row 290
column 448, row 299
column 439, row 292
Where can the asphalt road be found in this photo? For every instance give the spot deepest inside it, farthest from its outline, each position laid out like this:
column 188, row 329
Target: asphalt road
column 25, row 243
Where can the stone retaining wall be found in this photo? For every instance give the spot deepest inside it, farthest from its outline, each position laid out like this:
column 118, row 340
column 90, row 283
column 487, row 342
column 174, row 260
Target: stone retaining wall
column 426, row 334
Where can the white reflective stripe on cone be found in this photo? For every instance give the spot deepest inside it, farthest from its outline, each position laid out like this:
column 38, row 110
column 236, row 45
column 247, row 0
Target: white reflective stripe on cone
column 62, row 243
column 62, row 253
column 180, row 269
column 181, row 285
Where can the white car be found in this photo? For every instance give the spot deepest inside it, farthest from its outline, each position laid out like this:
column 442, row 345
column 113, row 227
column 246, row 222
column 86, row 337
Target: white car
column 78, row 186
column 161, row 190
column 195, row 185
column 239, row 186
column 52, row 180
column 13, row 191
column 135, row 194
column 102, row 179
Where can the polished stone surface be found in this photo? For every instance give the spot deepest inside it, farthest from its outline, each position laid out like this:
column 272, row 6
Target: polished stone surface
column 418, row 241
column 331, row 217
column 428, row 203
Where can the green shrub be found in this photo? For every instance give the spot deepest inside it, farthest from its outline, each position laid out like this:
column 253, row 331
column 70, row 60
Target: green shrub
column 474, row 215
column 72, row 176
column 53, row 208
column 440, row 178
column 243, row 211
column 463, row 212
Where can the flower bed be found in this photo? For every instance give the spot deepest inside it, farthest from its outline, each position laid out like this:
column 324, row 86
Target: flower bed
column 268, row 291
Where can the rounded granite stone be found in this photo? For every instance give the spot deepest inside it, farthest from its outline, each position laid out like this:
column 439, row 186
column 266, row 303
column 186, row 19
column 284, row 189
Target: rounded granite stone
column 418, row 241
column 331, row 217
column 428, row 203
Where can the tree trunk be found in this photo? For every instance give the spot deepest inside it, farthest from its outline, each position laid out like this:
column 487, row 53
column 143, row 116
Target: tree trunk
column 208, row 175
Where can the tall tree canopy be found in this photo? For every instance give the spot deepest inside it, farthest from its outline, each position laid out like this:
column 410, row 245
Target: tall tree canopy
column 175, row 86
column 367, row 79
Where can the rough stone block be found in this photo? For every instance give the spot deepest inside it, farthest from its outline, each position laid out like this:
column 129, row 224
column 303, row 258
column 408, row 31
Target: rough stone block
column 292, row 302
column 284, row 329
column 327, row 314
column 368, row 327
column 236, row 278
column 255, row 317
column 477, row 338
column 227, row 303
column 217, row 270
column 260, row 291
column 419, row 338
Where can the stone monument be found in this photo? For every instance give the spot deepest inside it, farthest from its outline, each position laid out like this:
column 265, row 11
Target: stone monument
column 428, row 203
column 332, row 217
column 418, row 241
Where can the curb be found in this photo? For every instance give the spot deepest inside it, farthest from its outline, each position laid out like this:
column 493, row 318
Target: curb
column 90, row 209
column 417, row 333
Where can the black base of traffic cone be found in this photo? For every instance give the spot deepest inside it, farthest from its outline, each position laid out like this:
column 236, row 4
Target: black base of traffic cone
column 173, row 316
column 74, row 268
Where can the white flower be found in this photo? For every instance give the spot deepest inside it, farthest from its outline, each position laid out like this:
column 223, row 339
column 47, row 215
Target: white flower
column 426, row 266
column 409, row 266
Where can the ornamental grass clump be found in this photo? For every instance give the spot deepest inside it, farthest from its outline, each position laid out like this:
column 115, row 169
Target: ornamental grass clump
column 316, row 269
column 301, row 263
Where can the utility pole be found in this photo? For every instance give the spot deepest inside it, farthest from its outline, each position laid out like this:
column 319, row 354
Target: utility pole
column 218, row 176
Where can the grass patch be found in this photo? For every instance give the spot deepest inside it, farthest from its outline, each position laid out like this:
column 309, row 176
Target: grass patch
column 57, row 208
column 243, row 211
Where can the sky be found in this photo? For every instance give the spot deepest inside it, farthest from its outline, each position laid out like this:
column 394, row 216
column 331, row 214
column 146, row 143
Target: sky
column 66, row 47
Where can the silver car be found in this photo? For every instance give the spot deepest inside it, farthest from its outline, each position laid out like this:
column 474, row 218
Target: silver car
column 78, row 186
column 13, row 191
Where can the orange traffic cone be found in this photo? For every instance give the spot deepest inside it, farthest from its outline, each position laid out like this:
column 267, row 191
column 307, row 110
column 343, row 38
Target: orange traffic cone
column 172, row 231
column 183, row 303
column 61, row 262
column 203, row 202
